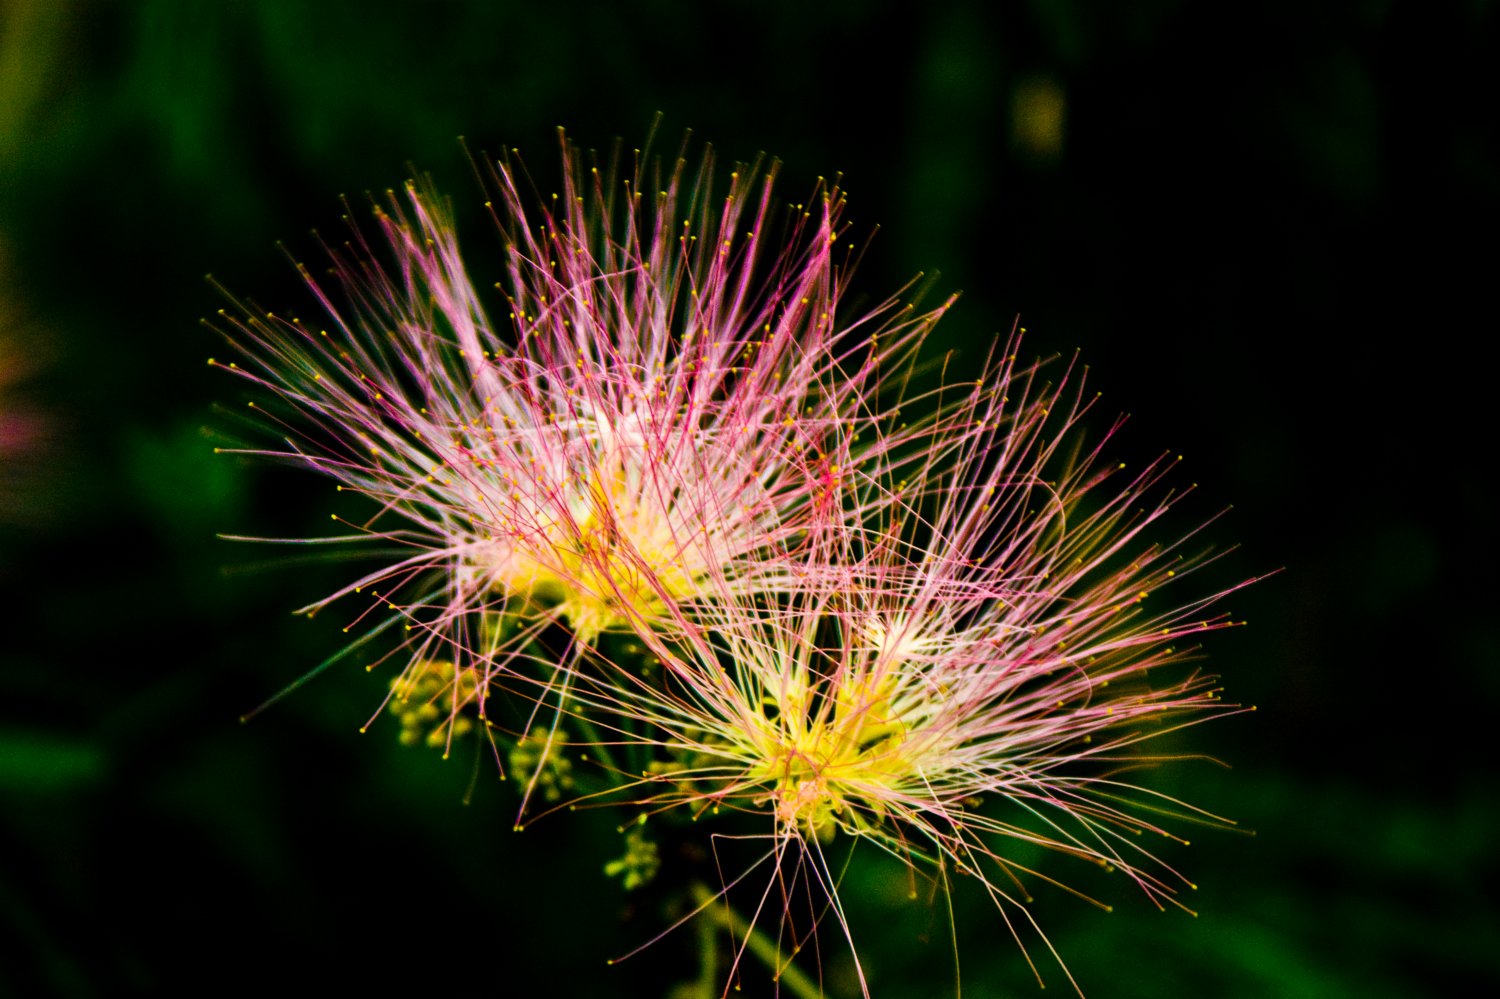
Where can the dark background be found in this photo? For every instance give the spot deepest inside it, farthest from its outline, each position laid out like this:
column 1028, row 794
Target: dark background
column 1268, row 227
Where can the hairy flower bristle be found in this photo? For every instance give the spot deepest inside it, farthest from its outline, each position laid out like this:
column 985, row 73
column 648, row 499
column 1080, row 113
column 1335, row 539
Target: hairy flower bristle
column 660, row 408
column 975, row 664
column 943, row 636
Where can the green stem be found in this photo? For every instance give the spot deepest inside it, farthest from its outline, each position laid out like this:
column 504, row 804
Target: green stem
column 718, row 912
column 708, row 957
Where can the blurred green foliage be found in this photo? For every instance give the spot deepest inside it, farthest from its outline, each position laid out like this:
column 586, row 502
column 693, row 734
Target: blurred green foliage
column 1252, row 221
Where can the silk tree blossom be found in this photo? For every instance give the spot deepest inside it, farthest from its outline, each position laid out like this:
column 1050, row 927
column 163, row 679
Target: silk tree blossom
column 667, row 400
column 976, row 665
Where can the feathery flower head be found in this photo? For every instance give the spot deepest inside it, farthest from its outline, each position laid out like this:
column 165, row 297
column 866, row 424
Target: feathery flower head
column 977, row 663
column 936, row 638
column 666, row 401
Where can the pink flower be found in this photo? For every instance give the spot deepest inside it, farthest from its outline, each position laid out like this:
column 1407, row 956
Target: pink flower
column 940, row 638
column 976, row 665
column 662, row 403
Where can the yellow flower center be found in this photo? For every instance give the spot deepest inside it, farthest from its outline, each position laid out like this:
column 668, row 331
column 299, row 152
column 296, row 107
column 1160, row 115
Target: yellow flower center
column 821, row 757
column 616, row 556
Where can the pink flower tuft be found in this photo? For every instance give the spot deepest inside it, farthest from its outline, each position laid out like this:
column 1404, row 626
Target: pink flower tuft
column 974, row 664
column 663, row 406
column 942, row 638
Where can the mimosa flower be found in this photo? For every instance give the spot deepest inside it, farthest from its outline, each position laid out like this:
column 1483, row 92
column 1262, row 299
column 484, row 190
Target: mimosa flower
column 666, row 403
column 941, row 639
column 975, row 666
